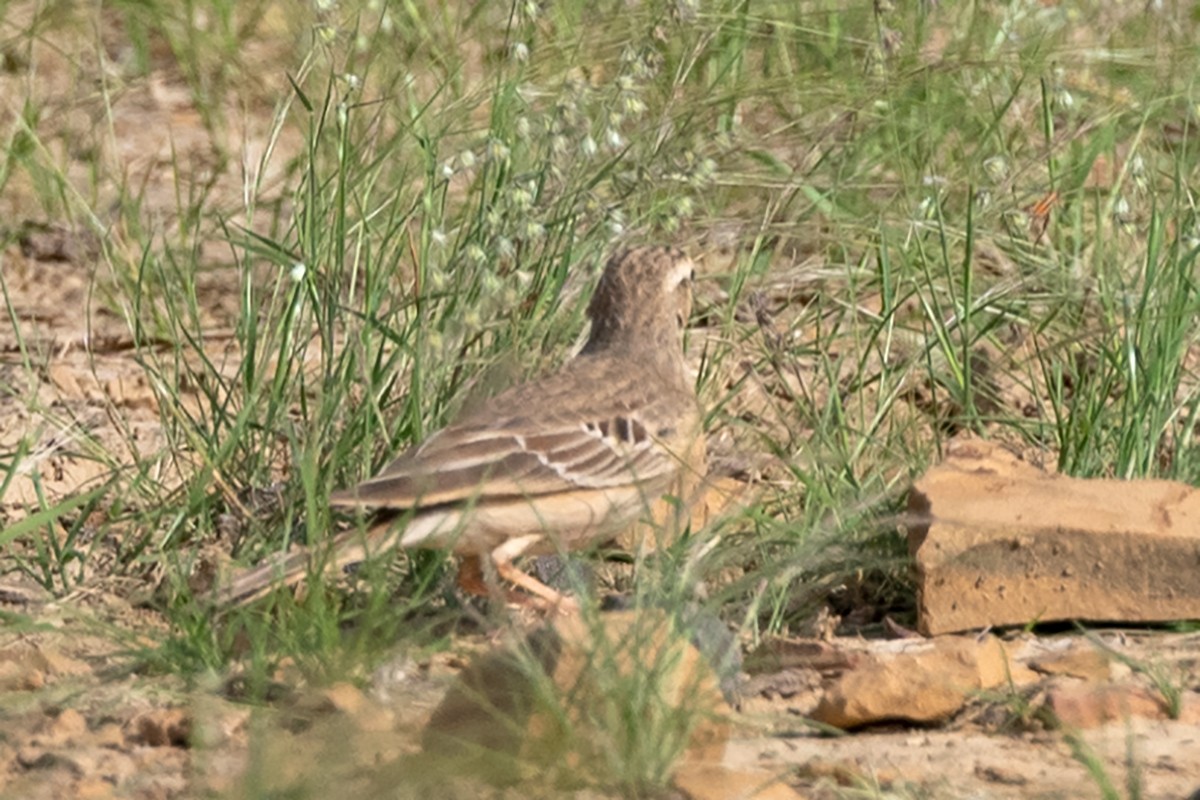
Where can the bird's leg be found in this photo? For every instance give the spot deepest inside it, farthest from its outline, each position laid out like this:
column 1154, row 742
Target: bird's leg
column 503, row 557
column 475, row 580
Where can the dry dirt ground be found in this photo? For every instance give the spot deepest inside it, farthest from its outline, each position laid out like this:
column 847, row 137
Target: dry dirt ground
column 81, row 720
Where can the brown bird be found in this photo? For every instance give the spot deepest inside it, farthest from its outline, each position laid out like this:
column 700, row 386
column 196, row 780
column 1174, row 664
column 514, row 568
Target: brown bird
column 556, row 464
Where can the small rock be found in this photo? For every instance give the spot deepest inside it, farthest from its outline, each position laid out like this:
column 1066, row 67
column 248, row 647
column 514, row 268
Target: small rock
column 1091, row 706
column 67, row 726
column 503, row 717
column 20, row 676
column 131, row 392
column 1087, row 663
column 781, row 653
column 842, row 773
column 54, row 662
column 26, row 665
column 344, row 697
column 716, row 782
column 63, row 377
column 1001, row 775
column 31, row 757
column 93, row 789
column 928, row 682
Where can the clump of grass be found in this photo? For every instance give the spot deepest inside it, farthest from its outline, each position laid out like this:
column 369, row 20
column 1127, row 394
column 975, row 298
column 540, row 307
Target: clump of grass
column 1099, row 772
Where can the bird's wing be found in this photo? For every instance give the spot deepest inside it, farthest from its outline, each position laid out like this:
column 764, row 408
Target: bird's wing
column 520, row 456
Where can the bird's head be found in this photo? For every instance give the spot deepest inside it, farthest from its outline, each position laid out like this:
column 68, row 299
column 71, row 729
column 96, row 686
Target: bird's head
column 644, row 298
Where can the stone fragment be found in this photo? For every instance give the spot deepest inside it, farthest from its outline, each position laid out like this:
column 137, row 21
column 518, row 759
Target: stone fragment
column 1090, row 705
column 924, row 682
column 999, row 542
column 30, row 757
column 344, row 697
column 780, row 653
column 94, row 788
column 717, row 782
column 63, row 377
column 1083, row 662
column 1000, row 774
column 348, row 699
column 20, row 676
column 68, row 726
column 26, row 666
column 579, row 694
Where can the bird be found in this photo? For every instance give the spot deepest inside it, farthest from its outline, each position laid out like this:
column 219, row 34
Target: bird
column 560, row 463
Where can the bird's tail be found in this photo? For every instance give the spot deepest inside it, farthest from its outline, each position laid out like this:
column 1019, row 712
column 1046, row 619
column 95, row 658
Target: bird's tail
column 292, row 568
column 283, row 569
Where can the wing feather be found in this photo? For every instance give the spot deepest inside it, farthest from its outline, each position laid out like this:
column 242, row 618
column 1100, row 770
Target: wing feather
column 541, row 438
column 464, row 463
